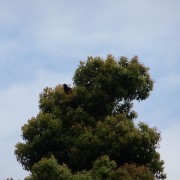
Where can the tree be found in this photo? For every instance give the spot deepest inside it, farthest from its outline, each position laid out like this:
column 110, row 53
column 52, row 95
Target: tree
column 93, row 120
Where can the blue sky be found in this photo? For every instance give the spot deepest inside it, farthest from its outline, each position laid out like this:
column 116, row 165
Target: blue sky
column 42, row 42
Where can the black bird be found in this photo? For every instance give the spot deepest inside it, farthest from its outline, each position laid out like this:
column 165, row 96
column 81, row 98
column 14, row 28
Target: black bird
column 67, row 89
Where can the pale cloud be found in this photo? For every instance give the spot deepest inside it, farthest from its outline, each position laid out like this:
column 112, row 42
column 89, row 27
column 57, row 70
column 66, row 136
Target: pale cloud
column 57, row 28
column 161, row 108
column 75, row 29
column 169, row 150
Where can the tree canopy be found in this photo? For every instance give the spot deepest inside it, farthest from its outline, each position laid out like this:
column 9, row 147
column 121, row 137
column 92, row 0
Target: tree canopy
column 88, row 132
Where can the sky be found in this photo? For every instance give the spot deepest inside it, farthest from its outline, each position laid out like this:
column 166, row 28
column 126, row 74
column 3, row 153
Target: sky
column 42, row 42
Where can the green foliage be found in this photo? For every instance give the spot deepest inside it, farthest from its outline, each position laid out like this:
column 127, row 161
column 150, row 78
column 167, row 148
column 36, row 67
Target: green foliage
column 102, row 168
column 91, row 129
column 113, row 84
column 132, row 172
column 41, row 135
column 49, row 169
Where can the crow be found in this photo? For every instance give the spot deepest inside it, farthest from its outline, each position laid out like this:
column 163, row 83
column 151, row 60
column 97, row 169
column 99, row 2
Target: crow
column 67, row 89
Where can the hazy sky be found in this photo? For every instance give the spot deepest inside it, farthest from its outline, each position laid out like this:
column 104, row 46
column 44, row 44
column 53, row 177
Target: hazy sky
column 42, row 42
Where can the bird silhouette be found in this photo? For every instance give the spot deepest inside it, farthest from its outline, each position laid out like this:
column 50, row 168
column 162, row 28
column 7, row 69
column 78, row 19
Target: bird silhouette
column 67, row 89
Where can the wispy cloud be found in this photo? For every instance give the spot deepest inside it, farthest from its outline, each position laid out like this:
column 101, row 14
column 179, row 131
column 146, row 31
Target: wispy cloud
column 170, row 150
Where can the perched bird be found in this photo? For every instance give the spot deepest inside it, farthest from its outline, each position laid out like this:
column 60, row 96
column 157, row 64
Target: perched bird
column 67, row 89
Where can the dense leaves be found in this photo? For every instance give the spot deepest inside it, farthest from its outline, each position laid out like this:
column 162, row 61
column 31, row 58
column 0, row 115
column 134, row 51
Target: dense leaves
column 103, row 169
column 113, row 84
column 89, row 132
